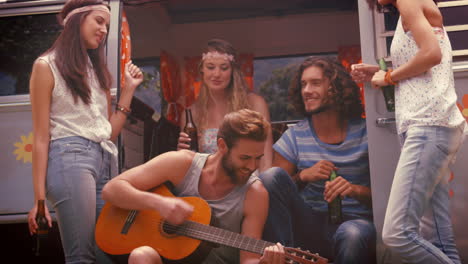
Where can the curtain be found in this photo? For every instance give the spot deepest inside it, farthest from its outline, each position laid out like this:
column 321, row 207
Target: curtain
column 170, row 84
column 192, row 80
column 464, row 107
column 246, row 65
column 125, row 46
column 349, row 55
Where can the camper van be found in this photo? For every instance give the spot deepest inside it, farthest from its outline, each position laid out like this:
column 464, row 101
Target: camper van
column 165, row 38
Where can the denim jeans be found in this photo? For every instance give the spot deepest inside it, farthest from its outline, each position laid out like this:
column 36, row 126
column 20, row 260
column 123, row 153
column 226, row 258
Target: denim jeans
column 76, row 173
column 293, row 223
column 417, row 222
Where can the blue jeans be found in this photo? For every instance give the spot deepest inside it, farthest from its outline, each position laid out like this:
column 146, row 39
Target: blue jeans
column 418, row 205
column 76, row 173
column 293, row 223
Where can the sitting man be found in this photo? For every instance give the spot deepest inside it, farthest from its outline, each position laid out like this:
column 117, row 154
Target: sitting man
column 225, row 179
column 332, row 137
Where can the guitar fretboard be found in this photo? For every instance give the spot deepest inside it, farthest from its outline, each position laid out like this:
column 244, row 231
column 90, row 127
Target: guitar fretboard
column 218, row 236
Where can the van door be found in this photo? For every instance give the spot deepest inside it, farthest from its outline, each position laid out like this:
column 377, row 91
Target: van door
column 28, row 29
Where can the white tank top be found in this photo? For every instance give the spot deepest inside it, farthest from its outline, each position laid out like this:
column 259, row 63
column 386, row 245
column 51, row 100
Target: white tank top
column 430, row 98
column 70, row 118
column 228, row 211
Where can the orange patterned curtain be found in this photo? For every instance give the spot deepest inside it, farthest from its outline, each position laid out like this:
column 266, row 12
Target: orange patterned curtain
column 125, row 46
column 192, row 77
column 246, row 65
column 192, row 80
column 349, row 55
column 170, row 84
column 464, row 106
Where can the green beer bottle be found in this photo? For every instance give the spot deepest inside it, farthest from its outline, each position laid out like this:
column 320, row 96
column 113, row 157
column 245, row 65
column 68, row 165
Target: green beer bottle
column 334, row 207
column 388, row 91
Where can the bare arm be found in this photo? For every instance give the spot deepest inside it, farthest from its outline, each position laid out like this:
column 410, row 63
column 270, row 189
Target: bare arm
column 41, row 86
column 429, row 53
column 255, row 214
column 133, row 77
column 129, row 189
column 320, row 171
column 258, row 104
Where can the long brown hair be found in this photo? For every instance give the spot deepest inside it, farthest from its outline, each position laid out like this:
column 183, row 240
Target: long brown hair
column 71, row 54
column 237, row 89
column 345, row 92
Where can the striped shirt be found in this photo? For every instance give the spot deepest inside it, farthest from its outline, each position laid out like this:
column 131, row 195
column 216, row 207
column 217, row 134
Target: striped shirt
column 301, row 146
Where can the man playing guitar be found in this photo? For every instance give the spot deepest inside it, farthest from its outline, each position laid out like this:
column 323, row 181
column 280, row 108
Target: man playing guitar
column 227, row 180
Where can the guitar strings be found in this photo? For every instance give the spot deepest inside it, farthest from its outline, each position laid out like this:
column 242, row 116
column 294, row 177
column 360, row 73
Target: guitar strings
column 187, row 229
column 228, row 237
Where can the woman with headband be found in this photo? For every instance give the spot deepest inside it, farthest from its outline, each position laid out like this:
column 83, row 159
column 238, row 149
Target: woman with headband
column 223, row 90
column 74, row 126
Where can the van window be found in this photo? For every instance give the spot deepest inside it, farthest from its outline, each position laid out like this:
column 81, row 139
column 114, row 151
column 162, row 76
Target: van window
column 455, row 22
column 272, row 76
column 23, row 39
column 149, row 91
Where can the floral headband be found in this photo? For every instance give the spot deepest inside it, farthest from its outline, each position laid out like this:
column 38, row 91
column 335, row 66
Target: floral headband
column 84, row 9
column 216, row 55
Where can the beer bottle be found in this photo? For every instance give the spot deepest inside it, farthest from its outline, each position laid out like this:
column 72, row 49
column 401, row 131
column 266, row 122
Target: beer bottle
column 389, row 90
column 43, row 228
column 191, row 130
column 334, row 207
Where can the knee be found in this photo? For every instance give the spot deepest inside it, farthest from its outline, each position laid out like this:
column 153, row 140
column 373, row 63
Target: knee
column 395, row 235
column 391, row 237
column 273, row 177
column 356, row 232
column 144, row 255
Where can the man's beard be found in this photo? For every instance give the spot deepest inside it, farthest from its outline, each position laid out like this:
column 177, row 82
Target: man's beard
column 321, row 109
column 231, row 169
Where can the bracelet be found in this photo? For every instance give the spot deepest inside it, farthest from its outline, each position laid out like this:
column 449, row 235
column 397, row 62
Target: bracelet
column 123, row 109
column 388, row 78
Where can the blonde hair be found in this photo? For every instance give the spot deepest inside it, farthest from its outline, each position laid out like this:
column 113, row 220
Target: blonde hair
column 236, row 91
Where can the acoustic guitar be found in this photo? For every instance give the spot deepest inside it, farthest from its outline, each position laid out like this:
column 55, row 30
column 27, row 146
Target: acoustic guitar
column 119, row 231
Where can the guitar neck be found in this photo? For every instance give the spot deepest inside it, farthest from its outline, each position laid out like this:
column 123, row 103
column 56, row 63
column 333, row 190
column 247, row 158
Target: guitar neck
column 219, row 236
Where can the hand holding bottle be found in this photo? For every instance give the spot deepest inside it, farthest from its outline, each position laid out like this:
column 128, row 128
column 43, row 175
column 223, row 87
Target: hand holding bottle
column 32, row 218
column 184, row 141
column 190, row 130
column 335, row 215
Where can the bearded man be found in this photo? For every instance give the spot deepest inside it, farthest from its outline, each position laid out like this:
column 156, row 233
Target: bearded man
column 226, row 180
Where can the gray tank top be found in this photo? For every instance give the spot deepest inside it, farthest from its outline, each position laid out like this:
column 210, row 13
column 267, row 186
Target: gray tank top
column 228, row 210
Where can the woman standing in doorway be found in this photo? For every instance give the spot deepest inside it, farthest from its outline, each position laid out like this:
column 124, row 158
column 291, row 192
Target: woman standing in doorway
column 431, row 128
column 74, row 126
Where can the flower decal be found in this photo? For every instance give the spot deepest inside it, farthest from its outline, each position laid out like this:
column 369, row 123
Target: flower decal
column 464, row 106
column 23, row 149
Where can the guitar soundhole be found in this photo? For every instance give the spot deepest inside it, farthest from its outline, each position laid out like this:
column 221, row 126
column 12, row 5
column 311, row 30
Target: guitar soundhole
column 169, row 230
